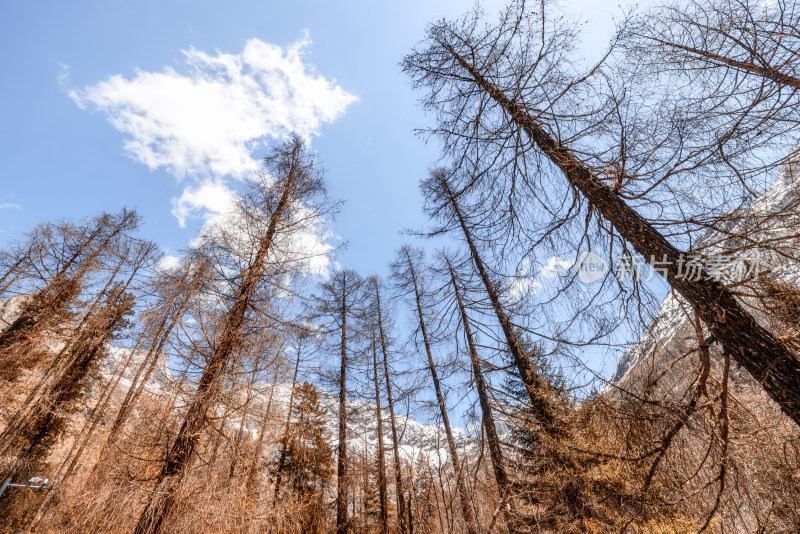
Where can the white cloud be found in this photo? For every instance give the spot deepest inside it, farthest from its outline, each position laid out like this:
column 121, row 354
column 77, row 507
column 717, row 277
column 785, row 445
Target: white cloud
column 206, row 125
column 169, row 262
column 10, row 206
column 210, row 195
column 527, row 281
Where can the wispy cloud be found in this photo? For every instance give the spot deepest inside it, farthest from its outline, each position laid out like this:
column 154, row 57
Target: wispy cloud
column 10, row 206
column 528, row 280
column 210, row 123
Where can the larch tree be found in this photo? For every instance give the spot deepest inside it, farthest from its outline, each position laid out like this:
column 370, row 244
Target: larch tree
column 505, row 100
column 33, row 437
column 488, row 419
column 67, row 255
column 307, row 458
column 301, row 336
column 407, row 271
column 384, row 323
column 381, row 450
column 340, row 303
column 269, row 216
column 442, row 202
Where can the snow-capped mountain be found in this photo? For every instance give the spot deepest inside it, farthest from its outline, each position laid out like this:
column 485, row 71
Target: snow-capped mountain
column 773, row 218
column 416, row 439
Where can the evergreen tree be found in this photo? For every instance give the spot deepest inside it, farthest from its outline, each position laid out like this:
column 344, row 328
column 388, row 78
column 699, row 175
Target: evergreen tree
column 308, row 462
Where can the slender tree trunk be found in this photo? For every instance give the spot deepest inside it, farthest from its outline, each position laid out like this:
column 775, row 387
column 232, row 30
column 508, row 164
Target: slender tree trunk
column 341, row 463
column 466, row 511
column 403, row 520
column 495, row 453
column 161, row 501
column 251, row 477
column 381, row 451
column 238, row 437
column 147, row 367
column 764, row 71
column 444, row 526
column 535, row 386
column 285, row 444
column 36, row 436
column 12, row 270
column 54, row 375
column 767, row 360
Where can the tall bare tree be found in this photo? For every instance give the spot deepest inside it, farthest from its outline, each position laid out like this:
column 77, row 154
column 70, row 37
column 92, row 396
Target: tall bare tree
column 384, row 327
column 269, row 212
column 484, row 82
column 492, row 437
column 340, row 302
column 406, row 271
column 381, row 452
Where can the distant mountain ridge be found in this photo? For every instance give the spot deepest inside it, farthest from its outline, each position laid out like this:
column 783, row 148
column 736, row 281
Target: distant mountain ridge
column 671, row 332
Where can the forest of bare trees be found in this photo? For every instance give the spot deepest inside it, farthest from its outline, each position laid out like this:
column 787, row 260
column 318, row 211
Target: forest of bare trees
column 465, row 390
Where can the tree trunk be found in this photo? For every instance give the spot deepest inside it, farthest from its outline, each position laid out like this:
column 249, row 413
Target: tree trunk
column 282, row 459
column 764, row 71
column 147, row 367
column 535, row 386
column 767, row 360
column 403, row 521
column 251, row 477
column 495, row 453
column 466, row 510
column 163, row 497
column 381, row 452
column 341, row 461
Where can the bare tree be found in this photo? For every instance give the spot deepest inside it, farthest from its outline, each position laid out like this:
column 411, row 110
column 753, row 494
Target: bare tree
column 495, row 452
column 67, row 256
column 271, row 209
column 483, row 77
column 384, row 326
column 340, row 303
column 405, row 270
column 301, row 335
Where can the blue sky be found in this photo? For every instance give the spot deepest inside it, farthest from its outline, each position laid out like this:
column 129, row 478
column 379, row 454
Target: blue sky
column 73, row 70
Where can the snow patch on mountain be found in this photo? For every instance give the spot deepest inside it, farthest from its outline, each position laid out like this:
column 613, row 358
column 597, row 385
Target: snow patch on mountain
column 774, row 217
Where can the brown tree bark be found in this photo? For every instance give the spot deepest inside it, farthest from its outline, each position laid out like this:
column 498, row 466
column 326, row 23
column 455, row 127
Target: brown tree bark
column 342, row 523
column 162, row 499
column 495, row 452
column 466, row 510
column 764, row 71
column 757, row 350
column 62, row 287
column 535, row 386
